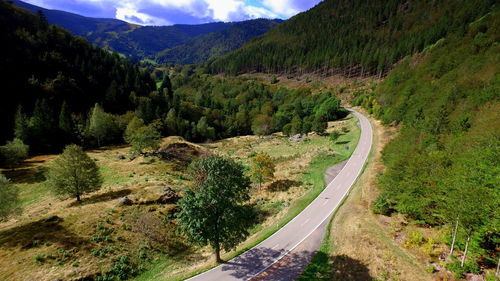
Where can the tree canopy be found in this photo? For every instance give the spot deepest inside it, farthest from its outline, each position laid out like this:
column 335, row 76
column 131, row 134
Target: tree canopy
column 213, row 211
column 74, row 173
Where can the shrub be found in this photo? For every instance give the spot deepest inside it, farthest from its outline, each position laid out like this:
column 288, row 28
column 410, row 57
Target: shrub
column 381, row 205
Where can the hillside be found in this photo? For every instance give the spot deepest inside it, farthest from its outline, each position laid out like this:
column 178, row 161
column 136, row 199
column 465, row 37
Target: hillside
column 180, row 43
column 77, row 24
column 215, row 44
column 353, row 38
column 43, row 67
column 443, row 169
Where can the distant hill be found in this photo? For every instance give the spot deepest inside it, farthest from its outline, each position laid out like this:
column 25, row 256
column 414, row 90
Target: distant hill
column 352, row 37
column 78, row 25
column 146, row 41
column 214, row 44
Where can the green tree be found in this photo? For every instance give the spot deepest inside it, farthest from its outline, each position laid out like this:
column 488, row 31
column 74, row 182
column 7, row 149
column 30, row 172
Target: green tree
column 212, row 210
column 102, row 126
column 21, row 125
column 8, row 196
column 205, row 131
column 262, row 168
column 13, row 152
column 65, row 121
column 74, row 173
column 261, row 125
column 320, row 124
column 135, row 124
column 144, row 139
column 166, row 86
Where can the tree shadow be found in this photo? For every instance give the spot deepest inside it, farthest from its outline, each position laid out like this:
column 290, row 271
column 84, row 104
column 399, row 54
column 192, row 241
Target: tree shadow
column 347, row 268
column 246, row 265
column 342, row 142
column 290, row 267
column 28, row 172
column 110, row 195
column 282, row 185
column 37, row 233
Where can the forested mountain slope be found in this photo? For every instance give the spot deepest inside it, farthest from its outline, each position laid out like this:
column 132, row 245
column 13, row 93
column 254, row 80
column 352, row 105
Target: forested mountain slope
column 352, row 37
column 77, row 24
column 215, row 44
column 444, row 166
column 43, row 67
column 146, row 41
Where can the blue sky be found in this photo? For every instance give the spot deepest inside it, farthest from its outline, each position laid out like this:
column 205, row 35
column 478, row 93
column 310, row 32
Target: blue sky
column 167, row 12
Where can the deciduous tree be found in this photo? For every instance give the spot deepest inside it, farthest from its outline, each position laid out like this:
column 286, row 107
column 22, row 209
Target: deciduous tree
column 262, row 168
column 213, row 211
column 74, row 173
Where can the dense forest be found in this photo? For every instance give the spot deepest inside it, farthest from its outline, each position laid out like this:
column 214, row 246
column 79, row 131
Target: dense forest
column 215, row 44
column 207, row 107
column 64, row 90
column 50, row 77
column 354, row 38
column 443, row 169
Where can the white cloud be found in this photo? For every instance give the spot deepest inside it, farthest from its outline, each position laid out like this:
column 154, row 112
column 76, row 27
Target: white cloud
column 164, row 12
column 281, row 7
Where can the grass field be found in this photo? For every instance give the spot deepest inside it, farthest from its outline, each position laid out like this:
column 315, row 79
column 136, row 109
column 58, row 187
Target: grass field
column 96, row 235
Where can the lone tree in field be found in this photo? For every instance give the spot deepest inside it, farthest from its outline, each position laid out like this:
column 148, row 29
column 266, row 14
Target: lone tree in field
column 262, row 168
column 74, row 173
column 8, row 196
column 212, row 210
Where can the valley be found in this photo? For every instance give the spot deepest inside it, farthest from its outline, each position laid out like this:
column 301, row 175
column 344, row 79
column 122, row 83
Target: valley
column 239, row 147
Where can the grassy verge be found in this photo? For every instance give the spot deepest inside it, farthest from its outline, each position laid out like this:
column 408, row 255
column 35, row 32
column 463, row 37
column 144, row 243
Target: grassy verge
column 313, row 179
column 319, row 268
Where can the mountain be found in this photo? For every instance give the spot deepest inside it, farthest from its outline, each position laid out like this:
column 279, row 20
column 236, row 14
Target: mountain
column 215, row 44
column 352, row 37
column 443, row 168
column 146, row 41
column 43, row 66
column 77, row 24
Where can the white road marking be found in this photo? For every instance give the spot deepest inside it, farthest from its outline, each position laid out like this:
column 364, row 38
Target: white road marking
column 324, row 203
column 304, row 222
column 275, row 246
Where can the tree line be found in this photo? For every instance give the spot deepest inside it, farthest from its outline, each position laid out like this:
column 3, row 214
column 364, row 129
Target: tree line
column 353, row 38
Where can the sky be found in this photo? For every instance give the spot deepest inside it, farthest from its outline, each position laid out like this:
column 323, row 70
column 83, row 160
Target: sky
column 168, row 12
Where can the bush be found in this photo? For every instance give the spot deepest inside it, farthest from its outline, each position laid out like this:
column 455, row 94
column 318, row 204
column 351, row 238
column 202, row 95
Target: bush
column 459, row 271
column 381, row 205
column 13, row 152
column 123, row 269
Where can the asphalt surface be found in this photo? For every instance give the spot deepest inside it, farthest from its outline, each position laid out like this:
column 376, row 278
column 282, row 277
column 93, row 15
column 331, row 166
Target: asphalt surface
column 262, row 257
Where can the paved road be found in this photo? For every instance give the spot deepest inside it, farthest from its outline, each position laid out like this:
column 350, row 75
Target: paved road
column 256, row 260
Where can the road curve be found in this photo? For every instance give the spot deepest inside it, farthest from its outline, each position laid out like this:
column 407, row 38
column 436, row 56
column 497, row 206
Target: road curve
column 259, row 258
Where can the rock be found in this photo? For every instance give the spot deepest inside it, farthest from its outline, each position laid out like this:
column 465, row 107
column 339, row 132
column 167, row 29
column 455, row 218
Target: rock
column 52, row 219
column 125, row 201
column 169, row 196
column 296, row 138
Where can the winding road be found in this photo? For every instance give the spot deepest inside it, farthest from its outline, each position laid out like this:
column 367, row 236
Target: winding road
column 261, row 257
